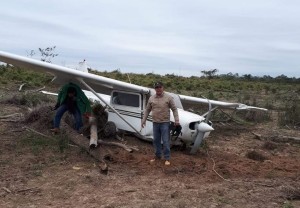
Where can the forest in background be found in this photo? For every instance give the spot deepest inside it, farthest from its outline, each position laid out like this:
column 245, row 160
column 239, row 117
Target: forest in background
column 281, row 94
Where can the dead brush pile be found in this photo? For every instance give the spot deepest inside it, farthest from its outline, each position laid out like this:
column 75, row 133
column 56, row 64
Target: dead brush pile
column 41, row 117
column 42, row 113
column 291, row 193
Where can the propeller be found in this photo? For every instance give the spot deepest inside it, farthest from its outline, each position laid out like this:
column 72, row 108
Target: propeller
column 202, row 128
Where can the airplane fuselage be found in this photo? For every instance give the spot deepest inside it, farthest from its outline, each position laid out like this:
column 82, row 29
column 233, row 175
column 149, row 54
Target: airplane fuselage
column 131, row 107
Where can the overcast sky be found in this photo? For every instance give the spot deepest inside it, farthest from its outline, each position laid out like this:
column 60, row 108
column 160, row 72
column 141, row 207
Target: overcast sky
column 159, row 36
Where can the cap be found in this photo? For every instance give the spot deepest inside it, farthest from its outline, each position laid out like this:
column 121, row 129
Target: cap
column 158, row 84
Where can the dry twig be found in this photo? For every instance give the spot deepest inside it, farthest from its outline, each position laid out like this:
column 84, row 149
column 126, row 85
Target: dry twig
column 34, row 131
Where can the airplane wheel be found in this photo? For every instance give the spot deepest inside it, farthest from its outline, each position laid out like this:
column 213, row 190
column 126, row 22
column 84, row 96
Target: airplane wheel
column 110, row 129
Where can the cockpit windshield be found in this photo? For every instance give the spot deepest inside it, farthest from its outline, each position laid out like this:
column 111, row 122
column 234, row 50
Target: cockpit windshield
column 176, row 100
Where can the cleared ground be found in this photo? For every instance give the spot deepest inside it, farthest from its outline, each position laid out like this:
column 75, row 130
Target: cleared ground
column 233, row 169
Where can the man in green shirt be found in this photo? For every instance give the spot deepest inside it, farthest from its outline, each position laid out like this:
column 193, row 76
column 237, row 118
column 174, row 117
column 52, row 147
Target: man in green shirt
column 71, row 98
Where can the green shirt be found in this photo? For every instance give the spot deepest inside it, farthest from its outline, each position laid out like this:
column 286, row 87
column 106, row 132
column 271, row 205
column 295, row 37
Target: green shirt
column 82, row 101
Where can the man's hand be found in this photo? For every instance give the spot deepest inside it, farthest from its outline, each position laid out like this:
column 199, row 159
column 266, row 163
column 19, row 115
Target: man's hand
column 143, row 124
column 56, row 106
column 177, row 123
column 87, row 115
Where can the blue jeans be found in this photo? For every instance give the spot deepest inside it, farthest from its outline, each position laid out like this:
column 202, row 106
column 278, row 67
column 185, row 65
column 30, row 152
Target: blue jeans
column 60, row 112
column 161, row 132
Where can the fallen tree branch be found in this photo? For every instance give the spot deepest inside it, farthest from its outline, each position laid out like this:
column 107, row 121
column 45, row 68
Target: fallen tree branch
column 34, row 131
column 34, row 189
column 21, row 86
column 119, row 138
column 15, row 117
column 10, row 115
column 257, row 136
column 286, row 139
column 127, row 148
column 6, row 189
column 277, row 138
column 36, row 90
column 230, row 118
column 213, row 168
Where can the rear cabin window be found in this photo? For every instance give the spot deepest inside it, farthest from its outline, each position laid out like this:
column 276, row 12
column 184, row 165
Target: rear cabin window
column 127, row 99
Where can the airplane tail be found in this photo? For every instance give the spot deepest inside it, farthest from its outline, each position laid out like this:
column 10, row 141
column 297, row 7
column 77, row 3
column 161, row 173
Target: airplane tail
column 82, row 66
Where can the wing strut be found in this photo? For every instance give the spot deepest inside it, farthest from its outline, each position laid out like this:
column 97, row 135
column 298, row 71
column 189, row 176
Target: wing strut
column 114, row 110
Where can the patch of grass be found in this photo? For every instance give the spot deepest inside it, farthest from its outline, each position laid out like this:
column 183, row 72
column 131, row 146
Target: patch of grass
column 16, row 74
column 38, row 143
column 37, row 169
column 270, row 174
column 223, row 200
column 30, row 99
column 290, row 114
column 63, row 143
column 287, row 204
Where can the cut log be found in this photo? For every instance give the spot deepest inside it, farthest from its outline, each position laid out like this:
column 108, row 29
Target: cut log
column 98, row 153
column 94, row 133
column 81, row 141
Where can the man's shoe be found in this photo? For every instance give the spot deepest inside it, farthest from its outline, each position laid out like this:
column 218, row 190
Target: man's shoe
column 55, row 130
column 167, row 162
column 154, row 159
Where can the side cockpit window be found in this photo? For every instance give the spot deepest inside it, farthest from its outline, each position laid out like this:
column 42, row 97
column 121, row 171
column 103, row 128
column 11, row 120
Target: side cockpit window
column 126, row 99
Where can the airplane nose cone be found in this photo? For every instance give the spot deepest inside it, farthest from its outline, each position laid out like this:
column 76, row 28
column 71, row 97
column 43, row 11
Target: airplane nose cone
column 204, row 127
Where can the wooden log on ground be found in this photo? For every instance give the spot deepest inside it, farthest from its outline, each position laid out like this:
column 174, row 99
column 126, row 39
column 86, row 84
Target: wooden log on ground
column 94, row 133
column 98, row 153
column 83, row 142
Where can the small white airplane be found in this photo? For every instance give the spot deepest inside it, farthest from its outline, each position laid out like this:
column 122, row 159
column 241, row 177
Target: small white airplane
column 127, row 113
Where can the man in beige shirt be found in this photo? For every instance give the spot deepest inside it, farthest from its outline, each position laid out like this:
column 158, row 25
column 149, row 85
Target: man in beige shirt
column 160, row 105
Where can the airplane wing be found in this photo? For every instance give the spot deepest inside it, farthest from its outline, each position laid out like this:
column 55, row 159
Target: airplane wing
column 64, row 75
column 239, row 106
column 102, row 84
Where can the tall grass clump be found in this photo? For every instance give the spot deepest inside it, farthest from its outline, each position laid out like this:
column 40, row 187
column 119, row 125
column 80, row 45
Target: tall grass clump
column 290, row 115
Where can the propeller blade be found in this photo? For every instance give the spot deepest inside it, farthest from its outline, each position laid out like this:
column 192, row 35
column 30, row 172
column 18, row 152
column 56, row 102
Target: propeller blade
column 197, row 142
column 202, row 128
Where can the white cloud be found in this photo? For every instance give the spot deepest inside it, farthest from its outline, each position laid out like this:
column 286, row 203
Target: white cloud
column 162, row 36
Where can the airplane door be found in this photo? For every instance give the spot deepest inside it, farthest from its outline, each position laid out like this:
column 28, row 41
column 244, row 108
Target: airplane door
column 129, row 105
column 148, row 129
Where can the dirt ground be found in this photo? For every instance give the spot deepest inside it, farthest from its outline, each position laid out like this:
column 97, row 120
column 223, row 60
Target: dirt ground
column 221, row 174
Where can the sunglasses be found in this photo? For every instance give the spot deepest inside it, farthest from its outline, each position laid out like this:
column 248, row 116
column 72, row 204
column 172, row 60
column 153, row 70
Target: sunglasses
column 158, row 87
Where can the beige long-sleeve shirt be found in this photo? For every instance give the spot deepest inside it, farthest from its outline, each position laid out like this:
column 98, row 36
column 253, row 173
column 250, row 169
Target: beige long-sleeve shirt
column 160, row 107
